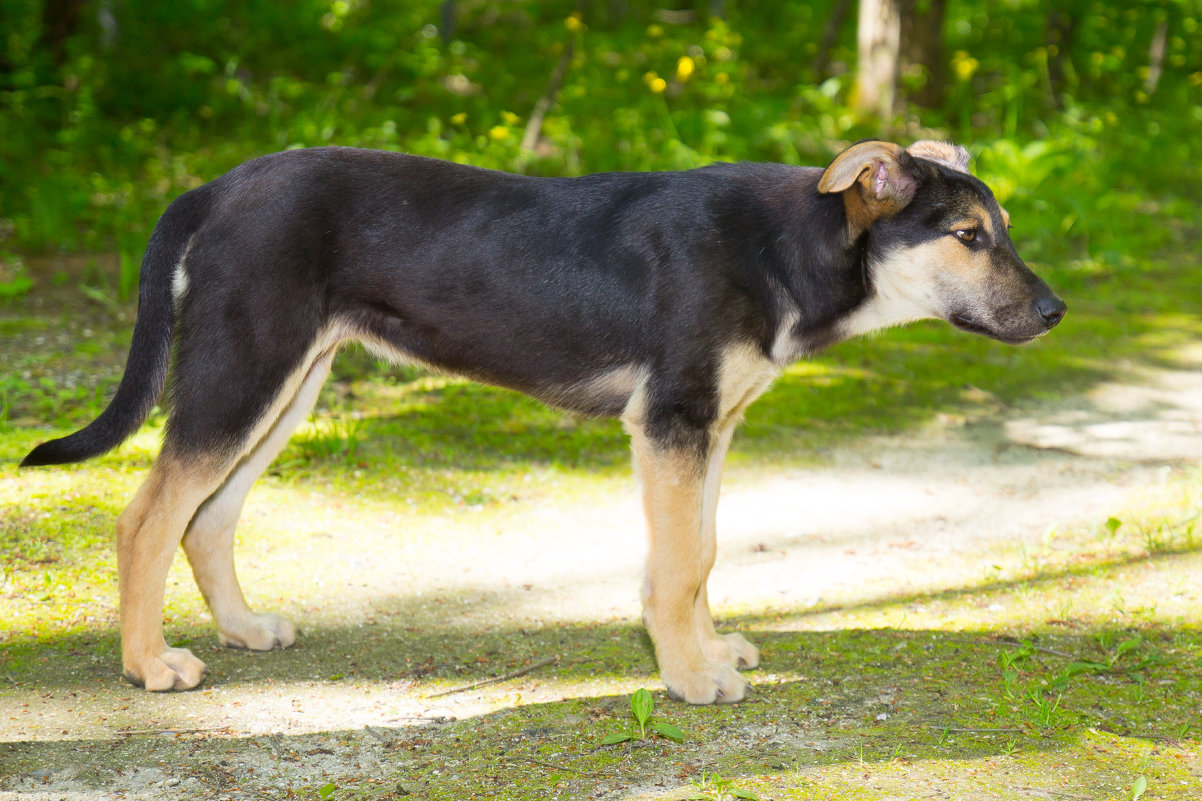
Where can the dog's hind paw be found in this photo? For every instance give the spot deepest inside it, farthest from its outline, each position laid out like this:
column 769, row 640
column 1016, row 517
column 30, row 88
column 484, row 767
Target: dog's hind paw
column 717, row 683
column 173, row 669
column 258, row 633
column 732, row 649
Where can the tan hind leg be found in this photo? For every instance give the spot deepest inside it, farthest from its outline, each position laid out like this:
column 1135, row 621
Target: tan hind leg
column 672, row 484
column 733, row 649
column 148, row 532
column 209, row 541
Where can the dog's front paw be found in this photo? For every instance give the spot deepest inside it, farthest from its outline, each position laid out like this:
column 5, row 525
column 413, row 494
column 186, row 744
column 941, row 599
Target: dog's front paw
column 715, row 683
column 173, row 669
column 258, row 633
column 731, row 649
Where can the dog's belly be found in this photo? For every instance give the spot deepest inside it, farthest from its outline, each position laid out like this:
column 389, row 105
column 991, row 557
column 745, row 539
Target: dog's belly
column 596, row 391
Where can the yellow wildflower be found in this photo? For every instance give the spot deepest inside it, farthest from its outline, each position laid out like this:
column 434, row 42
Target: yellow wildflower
column 684, row 68
column 964, row 65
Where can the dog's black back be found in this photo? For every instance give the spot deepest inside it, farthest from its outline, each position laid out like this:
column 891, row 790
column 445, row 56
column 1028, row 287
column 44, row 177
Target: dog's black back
column 542, row 285
column 572, row 290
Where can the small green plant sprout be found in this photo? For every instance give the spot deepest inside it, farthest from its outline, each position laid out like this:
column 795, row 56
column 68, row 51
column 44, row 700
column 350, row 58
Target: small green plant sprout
column 641, row 706
column 1045, row 707
column 1112, row 525
column 1009, row 662
column 1138, row 789
column 327, row 790
column 712, row 787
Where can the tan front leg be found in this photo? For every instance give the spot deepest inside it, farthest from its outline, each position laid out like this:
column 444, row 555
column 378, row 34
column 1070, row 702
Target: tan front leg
column 733, row 649
column 148, row 532
column 672, row 484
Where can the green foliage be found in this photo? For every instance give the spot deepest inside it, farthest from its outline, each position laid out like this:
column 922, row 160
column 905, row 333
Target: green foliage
column 1045, row 688
column 14, row 280
column 641, row 706
column 713, row 787
column 154, row 98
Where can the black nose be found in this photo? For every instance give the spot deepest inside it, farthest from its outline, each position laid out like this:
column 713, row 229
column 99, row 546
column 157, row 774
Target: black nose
column 1051, row 309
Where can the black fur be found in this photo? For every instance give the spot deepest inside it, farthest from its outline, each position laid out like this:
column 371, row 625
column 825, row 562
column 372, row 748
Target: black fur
column 149, row 353
column 537, row 284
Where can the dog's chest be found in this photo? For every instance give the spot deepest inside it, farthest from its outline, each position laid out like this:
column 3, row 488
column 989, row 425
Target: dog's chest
column 744, row 374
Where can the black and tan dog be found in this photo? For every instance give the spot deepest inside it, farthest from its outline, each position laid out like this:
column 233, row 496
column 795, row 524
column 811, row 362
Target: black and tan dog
column 671, row 300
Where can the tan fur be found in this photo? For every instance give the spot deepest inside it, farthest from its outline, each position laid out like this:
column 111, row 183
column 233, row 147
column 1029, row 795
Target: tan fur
column 672, row 485
column 616, row 383
column 945, row 153
column 209, row 540
column 680, row 499
column 731, row 649
column 853, row 165
column 148, row 532
column 745, row 373
column 926, row 281
column 882, row 187
column 163, row 510
column 905, row 288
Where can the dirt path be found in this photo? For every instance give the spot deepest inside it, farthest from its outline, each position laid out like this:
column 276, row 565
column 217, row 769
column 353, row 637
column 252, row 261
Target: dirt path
column 890, row 517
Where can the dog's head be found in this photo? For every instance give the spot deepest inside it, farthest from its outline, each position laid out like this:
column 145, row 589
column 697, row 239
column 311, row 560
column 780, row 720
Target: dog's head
column 938, row 244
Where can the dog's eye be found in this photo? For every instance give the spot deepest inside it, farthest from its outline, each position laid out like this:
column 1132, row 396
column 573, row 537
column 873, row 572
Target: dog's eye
column 966, row 234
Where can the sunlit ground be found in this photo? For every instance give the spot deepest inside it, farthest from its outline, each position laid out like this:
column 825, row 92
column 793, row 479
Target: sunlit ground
column 952, row 612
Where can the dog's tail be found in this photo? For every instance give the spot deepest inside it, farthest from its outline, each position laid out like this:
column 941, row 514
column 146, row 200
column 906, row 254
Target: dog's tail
column 149, row 353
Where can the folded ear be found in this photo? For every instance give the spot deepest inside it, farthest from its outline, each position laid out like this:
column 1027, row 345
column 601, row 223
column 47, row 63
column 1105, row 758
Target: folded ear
column 945, row 153
column 882, row 182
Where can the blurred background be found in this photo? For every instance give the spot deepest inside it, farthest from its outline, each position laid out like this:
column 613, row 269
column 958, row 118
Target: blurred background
column 109, row 108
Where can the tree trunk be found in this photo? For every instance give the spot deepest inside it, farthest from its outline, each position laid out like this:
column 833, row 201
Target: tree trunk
column 830, row 35
column 878, row 39
column 922, row 48
column 448, row 15
column 1156, row 56
column 59, row 20
column 1061, row 29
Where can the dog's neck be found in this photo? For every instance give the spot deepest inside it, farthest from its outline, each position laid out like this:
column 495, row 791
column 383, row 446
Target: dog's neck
column 820, row 267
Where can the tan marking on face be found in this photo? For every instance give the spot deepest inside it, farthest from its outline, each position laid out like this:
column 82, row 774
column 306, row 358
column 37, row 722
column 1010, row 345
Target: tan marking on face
column 910, row 284
column 1005, row 216
column 978, row 219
